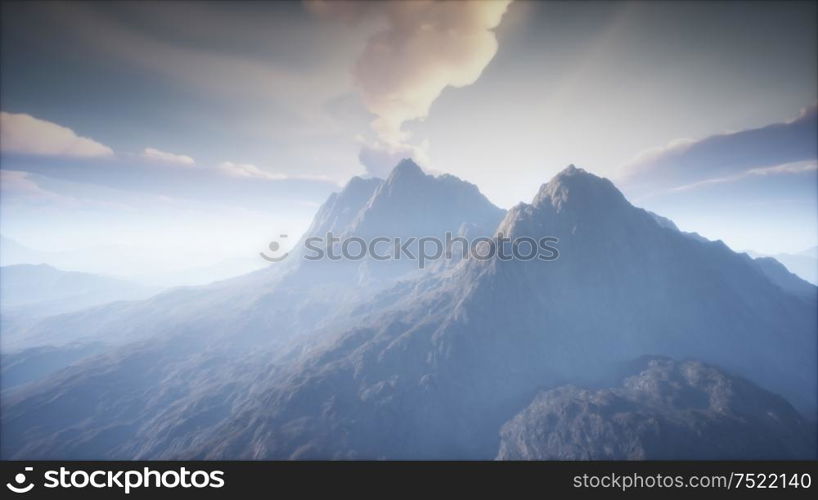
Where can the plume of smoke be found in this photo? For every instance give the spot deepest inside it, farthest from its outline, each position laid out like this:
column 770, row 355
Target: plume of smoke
column 420, row 48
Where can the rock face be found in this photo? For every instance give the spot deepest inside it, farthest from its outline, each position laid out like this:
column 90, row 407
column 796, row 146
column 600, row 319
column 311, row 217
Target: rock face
column 669, row 410
column 411, row 202
column 408, row 204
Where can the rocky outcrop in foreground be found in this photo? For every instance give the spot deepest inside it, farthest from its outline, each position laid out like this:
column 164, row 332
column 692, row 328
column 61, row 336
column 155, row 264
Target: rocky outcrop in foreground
column 668, row 410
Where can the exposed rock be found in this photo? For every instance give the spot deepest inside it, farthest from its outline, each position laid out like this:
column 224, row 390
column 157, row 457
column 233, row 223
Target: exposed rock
column 668, row 411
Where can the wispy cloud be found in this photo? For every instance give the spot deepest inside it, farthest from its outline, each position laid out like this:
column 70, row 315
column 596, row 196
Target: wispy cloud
column 18, row 183
column 153, row 154
column 250, row 171
column 247, row 170
column 25, row 134
column 785, row 169
column 21, row 188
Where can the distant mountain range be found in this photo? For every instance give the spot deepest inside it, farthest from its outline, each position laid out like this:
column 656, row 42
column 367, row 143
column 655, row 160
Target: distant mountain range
column 804, row 264
column 29, row 293
column 43, row 287
column 128, row 264
column 378, row 359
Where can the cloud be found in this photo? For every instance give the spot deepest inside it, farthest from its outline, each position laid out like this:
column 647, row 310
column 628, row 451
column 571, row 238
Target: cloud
column 379, row 159
column 718, row 158
column 19, row 184
column 26, row 189
column 419, row 49
column 246, row 170
column 165, row 157
column 785, row 169
column 129, row 178
column 250, row 171
column 22, row 133
column 15, row 181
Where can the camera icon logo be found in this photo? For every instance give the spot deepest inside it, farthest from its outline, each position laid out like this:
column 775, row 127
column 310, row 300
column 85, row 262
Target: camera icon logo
column 274, row 246
column 20, row 480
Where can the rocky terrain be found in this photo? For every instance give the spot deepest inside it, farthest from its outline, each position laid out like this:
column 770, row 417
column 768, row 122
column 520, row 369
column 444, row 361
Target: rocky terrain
column 372, row 360
column 668, row 410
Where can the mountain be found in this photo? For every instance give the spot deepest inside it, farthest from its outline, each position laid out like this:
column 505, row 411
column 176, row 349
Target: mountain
column 27, row 286
column 804, row 264
column 437, row 374
column 29, row 293
column 418, row 365
column 21, row 367
column 770, row 267
column 260, row 314
column 13, row 252
column 787, row 281
column 810, row 252
column 128, row 263
column 413, row 203
column 295, row 295
column 203, row 275
column 337, row 214
column 408, row 204
column 667, row 410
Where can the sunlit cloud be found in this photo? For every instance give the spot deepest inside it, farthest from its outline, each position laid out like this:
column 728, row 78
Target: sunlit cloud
column 250, row 171
column 785, row 169
column 25, row 134
column 420, row 49
column 18, row 183
column 247, row 170
column 773, row 149
column 156, row 155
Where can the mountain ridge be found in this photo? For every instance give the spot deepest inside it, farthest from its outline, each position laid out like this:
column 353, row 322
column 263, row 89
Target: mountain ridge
column 464, row 323
column 432, row 367
column 665, row 410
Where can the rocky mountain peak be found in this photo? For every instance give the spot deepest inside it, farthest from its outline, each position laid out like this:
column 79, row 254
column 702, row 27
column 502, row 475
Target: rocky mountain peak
column 577, row 188
column 667, row 409
column 405, row 169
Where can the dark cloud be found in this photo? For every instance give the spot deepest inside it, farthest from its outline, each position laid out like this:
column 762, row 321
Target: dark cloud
column 727, row 156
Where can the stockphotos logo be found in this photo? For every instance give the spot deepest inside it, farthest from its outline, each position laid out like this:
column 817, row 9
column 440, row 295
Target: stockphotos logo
column 125, row 480
column 21, row 482
column 421, row 249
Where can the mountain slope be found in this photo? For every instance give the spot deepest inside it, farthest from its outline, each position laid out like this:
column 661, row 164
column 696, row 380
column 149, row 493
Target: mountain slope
column 413, row 203
column 431, row 367
column 667, row 410
column 804, row 264
column 29, row 293
column 787, row 281
column 437, row 374
column 296, row 294
column 408, row 204
column 13, row 253
column 208, row 332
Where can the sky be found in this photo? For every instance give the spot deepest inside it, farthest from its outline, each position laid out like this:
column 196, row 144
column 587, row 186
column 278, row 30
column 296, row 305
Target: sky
column 201, row 130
